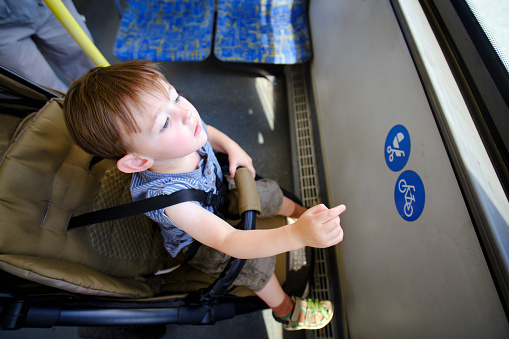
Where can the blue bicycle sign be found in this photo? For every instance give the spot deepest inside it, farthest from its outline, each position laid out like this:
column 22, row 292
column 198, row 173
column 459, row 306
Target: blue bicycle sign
column 409, row 195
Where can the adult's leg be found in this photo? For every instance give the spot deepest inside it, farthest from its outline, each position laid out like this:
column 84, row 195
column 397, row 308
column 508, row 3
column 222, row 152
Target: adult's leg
column 60, row 47
column 19, row 53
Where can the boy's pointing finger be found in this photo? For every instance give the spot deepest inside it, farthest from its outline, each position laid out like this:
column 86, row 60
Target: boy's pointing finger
column 333, row 212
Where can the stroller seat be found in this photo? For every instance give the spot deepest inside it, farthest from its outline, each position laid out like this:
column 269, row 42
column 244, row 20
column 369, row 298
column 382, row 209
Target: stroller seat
column 44, row 180
column 55, row 276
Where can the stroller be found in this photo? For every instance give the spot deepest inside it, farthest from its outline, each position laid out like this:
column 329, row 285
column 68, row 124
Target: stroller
column 113, row 272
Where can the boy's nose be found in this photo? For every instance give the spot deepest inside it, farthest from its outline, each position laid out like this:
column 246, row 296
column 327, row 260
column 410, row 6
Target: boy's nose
column 185, row 114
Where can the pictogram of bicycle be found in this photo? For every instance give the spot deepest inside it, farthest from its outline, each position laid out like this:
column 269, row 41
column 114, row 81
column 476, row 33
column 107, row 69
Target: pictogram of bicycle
column 409, row 197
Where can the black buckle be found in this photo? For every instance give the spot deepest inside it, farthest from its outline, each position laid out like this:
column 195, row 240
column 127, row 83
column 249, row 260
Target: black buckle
column 211, row 199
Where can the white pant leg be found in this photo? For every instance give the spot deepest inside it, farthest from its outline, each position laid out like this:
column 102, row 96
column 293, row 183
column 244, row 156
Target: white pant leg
column 19, row 53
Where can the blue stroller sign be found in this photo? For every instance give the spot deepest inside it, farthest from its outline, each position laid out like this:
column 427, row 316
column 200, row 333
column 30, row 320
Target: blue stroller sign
column 409, row 195
column 397, row 148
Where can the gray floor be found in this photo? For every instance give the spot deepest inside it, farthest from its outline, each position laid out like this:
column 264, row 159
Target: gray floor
column 250, row 109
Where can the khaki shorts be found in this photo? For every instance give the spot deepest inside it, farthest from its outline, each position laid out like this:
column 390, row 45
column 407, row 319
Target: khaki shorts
column 255, row 273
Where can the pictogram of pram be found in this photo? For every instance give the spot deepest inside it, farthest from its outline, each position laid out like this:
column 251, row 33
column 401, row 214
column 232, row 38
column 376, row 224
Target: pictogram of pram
column 396, row 150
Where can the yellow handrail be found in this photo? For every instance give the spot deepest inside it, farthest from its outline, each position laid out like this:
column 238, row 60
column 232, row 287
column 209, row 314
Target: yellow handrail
column 68, row 21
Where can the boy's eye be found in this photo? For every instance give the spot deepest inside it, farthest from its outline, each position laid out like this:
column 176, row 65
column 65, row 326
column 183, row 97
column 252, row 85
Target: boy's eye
column 166, row 124
column 177, row 99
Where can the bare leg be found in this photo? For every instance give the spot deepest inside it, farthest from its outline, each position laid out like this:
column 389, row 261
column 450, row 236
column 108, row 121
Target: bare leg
column 274, row 296
column 280, row 302
column 291, row 209
column 272, row 293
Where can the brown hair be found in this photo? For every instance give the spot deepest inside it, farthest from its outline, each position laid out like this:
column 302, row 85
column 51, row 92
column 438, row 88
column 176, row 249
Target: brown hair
column 99, row 106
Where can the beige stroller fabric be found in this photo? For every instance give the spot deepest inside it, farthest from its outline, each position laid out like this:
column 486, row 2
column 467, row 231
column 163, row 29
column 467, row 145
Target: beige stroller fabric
column 44, row 180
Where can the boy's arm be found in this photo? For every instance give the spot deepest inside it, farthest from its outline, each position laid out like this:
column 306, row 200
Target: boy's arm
column 236, row 155
column 317, row 227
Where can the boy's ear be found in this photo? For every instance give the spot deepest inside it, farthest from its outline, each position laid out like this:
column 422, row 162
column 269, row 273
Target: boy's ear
column 131, row 163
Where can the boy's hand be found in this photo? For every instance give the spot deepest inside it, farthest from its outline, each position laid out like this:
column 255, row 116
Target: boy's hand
column 319, row 226
column 239, row 157
column 236, row 155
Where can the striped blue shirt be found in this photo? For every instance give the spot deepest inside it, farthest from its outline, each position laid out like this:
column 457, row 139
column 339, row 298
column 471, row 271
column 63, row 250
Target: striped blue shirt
column 148, row 184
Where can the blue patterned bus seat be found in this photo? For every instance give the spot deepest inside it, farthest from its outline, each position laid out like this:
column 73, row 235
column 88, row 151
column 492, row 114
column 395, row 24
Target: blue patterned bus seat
column 165, row 30
column 262, row 31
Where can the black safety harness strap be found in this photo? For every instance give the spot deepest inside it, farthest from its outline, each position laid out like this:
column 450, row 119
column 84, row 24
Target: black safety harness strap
column 145, row 205
column 217, row 200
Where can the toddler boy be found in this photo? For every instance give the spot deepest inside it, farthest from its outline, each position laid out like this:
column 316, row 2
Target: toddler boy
column 130, row 113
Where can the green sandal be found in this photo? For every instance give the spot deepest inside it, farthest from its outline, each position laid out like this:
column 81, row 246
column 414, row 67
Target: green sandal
column 311, row 309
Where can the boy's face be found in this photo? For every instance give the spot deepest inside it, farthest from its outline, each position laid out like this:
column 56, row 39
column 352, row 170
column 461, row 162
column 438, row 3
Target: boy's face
column 171, row 129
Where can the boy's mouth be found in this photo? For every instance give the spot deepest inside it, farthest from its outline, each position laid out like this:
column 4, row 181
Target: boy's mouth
column 197, row 130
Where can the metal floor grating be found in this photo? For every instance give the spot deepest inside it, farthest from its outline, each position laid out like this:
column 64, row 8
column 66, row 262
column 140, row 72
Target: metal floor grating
column 304, row 137
column 304, row 150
